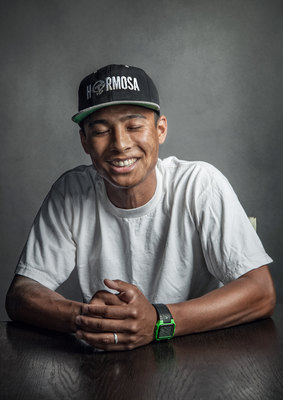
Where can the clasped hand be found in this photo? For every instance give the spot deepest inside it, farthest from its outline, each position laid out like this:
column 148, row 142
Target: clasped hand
column 128, row 314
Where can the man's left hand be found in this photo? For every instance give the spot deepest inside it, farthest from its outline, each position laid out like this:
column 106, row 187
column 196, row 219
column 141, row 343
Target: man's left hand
column 129, row 315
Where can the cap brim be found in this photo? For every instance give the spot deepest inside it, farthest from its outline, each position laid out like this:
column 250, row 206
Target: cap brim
column 86, row 112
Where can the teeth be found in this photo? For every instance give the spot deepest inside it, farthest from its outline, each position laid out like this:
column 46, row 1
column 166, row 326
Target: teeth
column 124, row 163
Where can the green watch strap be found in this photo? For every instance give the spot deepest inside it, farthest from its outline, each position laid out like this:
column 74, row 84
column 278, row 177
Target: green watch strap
column 163, row 313
column 165, row 326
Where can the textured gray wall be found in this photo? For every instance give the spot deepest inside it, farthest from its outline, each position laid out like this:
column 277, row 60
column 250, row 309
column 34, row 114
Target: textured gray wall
column 219, row 69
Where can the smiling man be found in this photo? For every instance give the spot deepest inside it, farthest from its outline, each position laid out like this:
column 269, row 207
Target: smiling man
column 123, row 142
column 162, row 247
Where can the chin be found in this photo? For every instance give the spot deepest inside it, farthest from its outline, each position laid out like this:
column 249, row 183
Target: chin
column 121, row 184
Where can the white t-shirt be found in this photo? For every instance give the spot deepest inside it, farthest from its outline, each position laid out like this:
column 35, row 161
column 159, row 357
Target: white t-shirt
column 189, row 238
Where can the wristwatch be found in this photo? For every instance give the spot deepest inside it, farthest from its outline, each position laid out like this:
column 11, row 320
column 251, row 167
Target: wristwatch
column 165, row 326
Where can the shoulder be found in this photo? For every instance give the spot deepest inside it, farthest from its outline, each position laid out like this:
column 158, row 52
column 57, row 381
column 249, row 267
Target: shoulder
column 76, row 180
column 197, row 173
column 175, row 164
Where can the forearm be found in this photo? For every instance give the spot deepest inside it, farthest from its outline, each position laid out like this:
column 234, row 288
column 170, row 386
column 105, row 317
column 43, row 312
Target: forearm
column 246, row 299
column 29, row 301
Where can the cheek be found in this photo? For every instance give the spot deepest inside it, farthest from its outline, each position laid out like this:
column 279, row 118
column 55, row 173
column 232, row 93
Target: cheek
column 95, row 158
column 96, row 149
column 149, row 143
column 153, row 148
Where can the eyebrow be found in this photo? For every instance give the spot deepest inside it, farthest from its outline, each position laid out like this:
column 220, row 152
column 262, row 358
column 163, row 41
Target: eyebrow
column 132, row 116
column 97, row 121
column 123, row 119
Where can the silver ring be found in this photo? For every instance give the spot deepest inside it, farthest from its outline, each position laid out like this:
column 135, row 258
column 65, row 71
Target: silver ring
column 115, row 338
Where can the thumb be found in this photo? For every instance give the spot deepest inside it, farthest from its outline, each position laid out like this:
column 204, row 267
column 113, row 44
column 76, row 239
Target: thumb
column 117, row 284
column 127, row 296
column 127, row 290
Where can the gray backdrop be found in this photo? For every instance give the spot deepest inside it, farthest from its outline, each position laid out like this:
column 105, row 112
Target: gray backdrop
column 217, row 64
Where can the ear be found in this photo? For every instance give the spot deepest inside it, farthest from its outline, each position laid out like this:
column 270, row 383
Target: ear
column 162, row 128
column 84, row 141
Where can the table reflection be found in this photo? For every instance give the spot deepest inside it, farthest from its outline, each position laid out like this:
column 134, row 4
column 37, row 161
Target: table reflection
column 222, row 362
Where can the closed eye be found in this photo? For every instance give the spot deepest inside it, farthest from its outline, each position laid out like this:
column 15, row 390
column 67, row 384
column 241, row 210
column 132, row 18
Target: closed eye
column 134, row 127
column 98, row 127
column 100, row 133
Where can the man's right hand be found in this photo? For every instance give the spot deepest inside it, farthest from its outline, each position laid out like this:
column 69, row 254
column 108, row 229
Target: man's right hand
column 117, row 322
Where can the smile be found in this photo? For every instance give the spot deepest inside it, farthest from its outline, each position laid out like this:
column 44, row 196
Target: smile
column 124, row 163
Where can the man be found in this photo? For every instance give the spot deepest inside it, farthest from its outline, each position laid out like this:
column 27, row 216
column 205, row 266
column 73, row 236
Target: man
column 152, row 240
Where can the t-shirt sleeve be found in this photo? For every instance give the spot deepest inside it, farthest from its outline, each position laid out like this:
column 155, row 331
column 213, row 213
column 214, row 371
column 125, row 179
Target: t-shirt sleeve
column 49, row 254
column 230, row 244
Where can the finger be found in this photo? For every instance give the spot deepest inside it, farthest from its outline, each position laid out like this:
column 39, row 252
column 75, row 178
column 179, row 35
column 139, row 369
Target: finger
column 105, row 297
column 127, row 290
column 91, row 324
column 110, row 312
column 127, row 297
column 106, row 341
column 118, row 285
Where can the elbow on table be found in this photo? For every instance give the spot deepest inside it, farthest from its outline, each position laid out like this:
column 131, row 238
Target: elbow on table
column 14, row 303
column 11, row 306
column 261, row 292
column 269, row 299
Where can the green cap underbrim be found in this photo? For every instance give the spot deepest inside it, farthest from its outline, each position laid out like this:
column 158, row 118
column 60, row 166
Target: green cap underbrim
column 80, row 116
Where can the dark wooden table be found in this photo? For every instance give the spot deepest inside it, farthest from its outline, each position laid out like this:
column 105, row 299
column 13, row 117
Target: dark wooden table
column 245, row 362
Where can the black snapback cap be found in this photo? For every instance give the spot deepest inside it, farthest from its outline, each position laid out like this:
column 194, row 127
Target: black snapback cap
column 113, row 85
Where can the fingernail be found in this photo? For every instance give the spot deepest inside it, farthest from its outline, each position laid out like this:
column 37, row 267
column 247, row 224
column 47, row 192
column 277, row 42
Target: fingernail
column 78, row 320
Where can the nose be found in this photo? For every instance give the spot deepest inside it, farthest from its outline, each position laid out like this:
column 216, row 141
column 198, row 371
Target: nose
column 121, row 140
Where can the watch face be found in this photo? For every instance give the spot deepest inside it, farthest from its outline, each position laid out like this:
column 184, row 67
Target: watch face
column 166, row 331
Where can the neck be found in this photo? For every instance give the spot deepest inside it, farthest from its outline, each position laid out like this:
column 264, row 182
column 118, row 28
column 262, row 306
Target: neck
column 132, row 197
